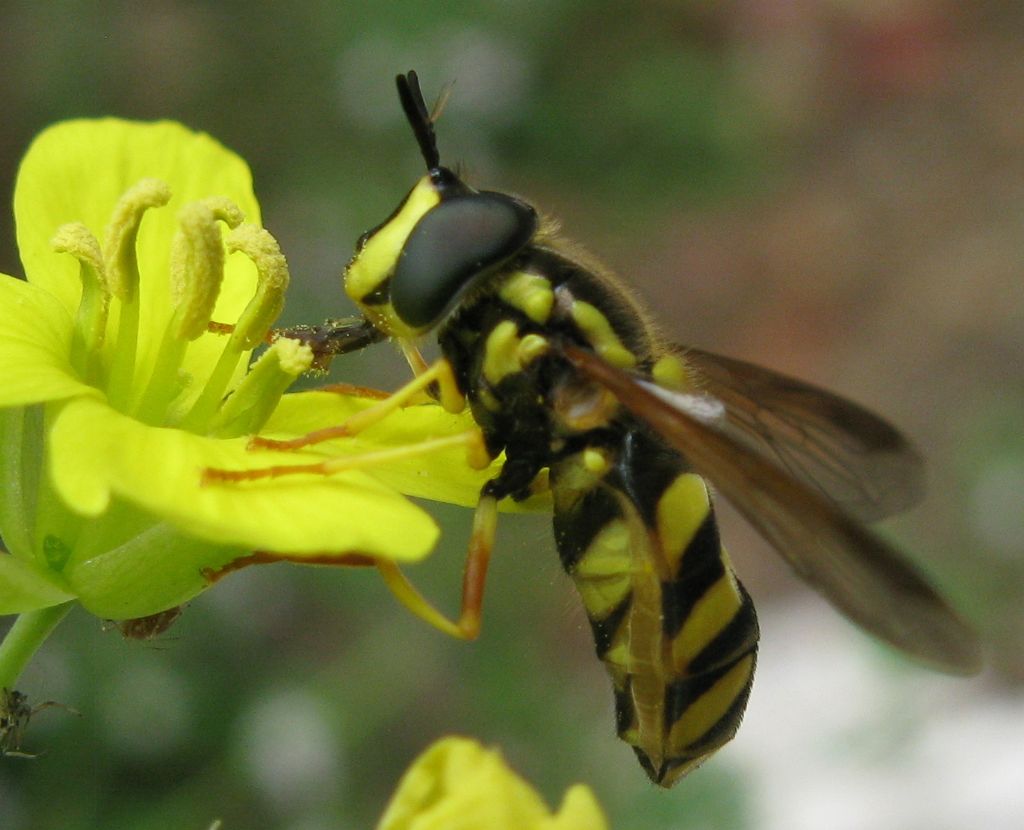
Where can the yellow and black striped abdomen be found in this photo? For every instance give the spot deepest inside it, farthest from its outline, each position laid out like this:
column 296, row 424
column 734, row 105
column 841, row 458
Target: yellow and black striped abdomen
column 676, row 630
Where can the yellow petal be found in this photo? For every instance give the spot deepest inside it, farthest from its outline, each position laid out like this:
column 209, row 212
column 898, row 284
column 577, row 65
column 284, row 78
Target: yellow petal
column 439, row 475
column 75, row 171
column 580, row 811
column 97, row 454
column 34, row 347
column 459, row 785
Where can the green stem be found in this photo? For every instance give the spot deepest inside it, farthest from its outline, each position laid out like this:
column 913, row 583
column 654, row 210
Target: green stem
column 27, row 634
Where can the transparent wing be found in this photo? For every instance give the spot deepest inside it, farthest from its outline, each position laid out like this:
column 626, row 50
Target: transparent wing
column 835, row 446
column 860, row 573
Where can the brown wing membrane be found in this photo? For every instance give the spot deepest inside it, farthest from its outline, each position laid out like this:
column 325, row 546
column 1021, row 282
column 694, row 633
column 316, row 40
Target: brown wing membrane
column 837, row 447
column 860, row 573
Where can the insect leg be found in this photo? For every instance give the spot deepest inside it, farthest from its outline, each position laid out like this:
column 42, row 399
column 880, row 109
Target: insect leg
column 515, row 479
column 413, row 356
column 440, row 373
column 354, row 390
column 472, row 440
column 15, row 713
column 474, row 577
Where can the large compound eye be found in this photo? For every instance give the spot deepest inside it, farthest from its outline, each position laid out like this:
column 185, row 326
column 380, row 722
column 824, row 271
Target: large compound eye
column 461, row 240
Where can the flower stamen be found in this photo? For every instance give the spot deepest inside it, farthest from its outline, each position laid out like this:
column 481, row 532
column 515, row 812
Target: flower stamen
column 91, row 324
column 197, row 263
column 252, row 327
column 197, row 270
column 266, row 305
column 122, row 274
column 253, row 402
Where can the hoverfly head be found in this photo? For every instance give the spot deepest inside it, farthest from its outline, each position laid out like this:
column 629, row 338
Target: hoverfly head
column 410, row 271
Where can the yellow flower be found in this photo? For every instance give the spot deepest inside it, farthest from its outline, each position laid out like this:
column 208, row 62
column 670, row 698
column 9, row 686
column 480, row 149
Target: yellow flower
column 459, row 785
column 116, row 392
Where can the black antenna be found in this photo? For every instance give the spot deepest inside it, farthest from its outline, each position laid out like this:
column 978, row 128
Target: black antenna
column 419, row 118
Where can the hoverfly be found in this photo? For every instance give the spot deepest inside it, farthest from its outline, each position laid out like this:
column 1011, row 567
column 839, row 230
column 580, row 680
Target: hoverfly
column 564, row 373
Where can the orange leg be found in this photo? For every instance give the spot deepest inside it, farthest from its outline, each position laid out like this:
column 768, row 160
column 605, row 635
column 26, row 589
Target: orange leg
column 354, row 391
column 485, row 521
column 413, row 356
column 440, row 372
column 474, row 577
column 472, row 440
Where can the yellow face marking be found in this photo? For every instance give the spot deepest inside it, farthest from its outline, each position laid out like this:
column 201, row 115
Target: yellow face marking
column 709, row 708
column 710, row 615
column 530, row 293
column 542, row 483
column 682, row 509
column 376, row 261
column 601, row 335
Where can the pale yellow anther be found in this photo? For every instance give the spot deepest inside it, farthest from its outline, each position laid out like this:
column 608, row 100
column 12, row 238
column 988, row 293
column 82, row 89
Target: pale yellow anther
column 272, row 268
column 293, row 356
column 225, row 210
column 122, row 267
column 247, row 409
column 197, row 263
column 90, row 327
column 76, row 239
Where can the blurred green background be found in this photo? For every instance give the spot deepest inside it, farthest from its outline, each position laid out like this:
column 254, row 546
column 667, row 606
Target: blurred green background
column 833, row 189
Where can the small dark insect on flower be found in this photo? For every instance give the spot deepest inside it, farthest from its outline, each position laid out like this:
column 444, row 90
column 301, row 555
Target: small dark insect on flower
column 15, row 713
column 146, row 628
